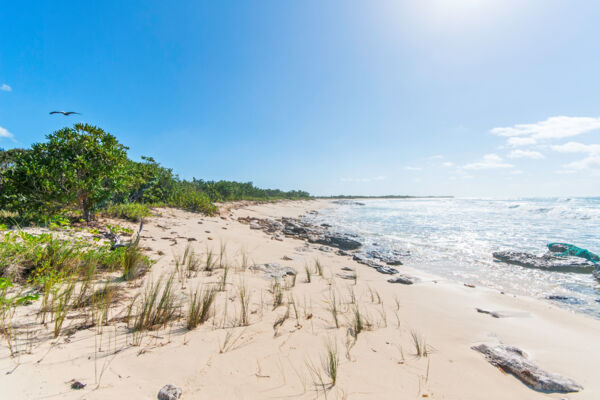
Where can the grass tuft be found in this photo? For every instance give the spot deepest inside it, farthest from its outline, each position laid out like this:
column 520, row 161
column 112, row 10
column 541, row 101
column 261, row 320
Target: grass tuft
column 200, row 304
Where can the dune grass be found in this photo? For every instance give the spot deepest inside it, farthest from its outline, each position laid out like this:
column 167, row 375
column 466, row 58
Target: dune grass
column 134, row 212
column 199, row 306
column 158, row 306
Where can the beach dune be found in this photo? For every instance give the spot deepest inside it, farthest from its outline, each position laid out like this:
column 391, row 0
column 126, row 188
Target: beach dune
column 416, row 340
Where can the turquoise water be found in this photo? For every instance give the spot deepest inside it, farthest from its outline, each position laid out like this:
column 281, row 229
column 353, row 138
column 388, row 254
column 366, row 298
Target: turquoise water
column 455, row 238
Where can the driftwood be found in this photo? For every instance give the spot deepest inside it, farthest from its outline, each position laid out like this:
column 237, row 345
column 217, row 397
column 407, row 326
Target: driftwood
column 116, row 240
column 514, row 361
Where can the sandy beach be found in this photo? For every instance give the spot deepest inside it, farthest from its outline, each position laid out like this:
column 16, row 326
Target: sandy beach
column 278, row 353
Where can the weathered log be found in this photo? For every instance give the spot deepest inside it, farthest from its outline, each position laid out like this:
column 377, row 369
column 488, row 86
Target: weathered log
column 514, row 361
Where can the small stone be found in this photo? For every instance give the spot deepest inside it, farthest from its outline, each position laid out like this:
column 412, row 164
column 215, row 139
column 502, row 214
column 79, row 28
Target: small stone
column 77, row 385
column 469, row 285
column 209, row 238
column 169, row 392
column 286, row 258
column 403, row 279
column 192, row 239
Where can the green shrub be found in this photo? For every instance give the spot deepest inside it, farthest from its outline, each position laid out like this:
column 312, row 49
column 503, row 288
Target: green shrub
column 129, row 211
column 189, row 199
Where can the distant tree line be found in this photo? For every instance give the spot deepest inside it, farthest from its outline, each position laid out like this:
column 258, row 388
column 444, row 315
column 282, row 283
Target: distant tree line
column 85, row 169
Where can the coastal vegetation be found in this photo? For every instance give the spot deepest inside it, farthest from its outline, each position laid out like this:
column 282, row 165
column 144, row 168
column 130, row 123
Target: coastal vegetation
column 82, row 170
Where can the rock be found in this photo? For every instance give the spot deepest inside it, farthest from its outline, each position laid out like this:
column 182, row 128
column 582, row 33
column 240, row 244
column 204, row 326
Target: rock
column 386, row 270
column 390, row 259
column 169, row 392
column 513, row 360
column 566, row 299
column 492, row 313
column 278, row 236
column 404, row 279
column 286, row 258
column 192, row 239
column 469, row 285
column 347, row 269
column 77, row 385
column 273, row 270
column 303, row 249
column 343, row 253
column 326, row 225
column 325, row 249
column 339, row 241
column 254, row 225
column 546, row 262
column 361, row 259
column 347, row 276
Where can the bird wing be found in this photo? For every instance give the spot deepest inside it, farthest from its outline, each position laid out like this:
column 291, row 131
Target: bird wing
column 71, row 112
column 55, row 112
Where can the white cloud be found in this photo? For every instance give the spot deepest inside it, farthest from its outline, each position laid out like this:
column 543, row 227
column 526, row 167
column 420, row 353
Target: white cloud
column 5, row 88
column 516, row 172
column 4, row 133
column 436, row 157
column 489, row 161
column 520, row 141
column 447, row 164
column 534, row 155
column 409, row 168
column 588, row 163
column 375, row 178
column 574, row 147
column 552, row 128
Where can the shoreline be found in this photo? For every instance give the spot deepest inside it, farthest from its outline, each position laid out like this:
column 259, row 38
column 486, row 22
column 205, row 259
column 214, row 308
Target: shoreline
column 263, row 362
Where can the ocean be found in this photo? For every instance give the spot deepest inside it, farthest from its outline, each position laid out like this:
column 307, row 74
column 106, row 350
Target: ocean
column 454, row 238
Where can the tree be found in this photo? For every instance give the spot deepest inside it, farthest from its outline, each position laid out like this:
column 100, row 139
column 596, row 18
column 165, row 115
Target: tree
column 81, row 166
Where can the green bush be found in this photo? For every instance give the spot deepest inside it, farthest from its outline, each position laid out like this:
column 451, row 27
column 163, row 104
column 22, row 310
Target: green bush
column 189, row 199
column 130, row 211
column 81, row 166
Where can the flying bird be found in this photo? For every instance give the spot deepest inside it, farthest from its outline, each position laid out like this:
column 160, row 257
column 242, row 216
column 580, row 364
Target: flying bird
column 67, row 113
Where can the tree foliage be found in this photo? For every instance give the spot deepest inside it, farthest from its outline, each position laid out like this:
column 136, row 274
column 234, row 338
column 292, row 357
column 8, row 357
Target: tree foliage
column 86, row 168
column 79, row 167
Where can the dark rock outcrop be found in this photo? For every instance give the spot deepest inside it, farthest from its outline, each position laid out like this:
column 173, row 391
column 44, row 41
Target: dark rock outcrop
column 546, row 262
column 297, row 228
column 339, row 241
column 514, row 361
column 392, row 258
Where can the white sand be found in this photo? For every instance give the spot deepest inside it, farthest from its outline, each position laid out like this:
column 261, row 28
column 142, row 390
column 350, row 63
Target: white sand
column 258, row 364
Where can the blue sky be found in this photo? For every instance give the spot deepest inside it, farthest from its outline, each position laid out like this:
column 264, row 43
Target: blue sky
column 495, row 98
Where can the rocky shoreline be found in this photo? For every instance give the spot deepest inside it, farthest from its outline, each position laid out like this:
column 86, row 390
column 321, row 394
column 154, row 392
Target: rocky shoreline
column 347, row 244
